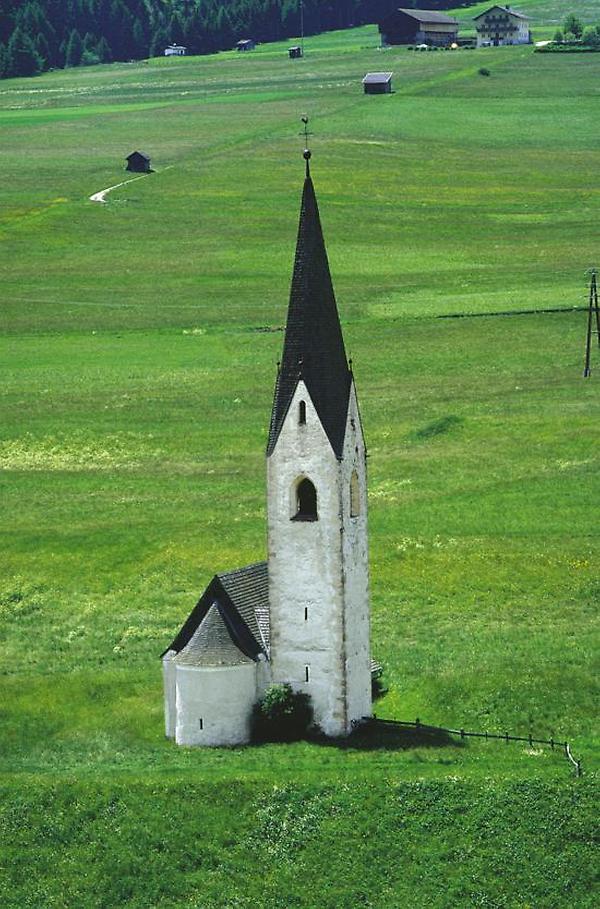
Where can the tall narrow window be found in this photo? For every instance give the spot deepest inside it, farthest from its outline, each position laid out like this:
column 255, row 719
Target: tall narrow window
column 201, row 723
column 302, row 413
column 307, row 673
column 306, row 613
column 354, row 495
column 306, row 501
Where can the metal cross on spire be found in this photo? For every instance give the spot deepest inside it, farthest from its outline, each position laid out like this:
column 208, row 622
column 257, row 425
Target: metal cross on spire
column 593, row 310
column 307, row 152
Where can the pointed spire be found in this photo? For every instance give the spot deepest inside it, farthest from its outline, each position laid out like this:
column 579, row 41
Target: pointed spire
column 313, row 348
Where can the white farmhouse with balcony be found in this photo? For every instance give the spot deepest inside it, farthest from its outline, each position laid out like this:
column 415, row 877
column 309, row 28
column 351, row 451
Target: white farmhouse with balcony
column 501, row 25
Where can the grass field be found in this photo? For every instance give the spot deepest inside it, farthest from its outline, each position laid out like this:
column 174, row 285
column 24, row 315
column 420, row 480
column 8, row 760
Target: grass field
column 139, row 342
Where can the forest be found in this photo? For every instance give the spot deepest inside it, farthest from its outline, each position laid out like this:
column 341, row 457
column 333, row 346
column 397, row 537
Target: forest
column 39, row 35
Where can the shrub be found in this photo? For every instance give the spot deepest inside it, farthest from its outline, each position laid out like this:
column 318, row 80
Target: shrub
column 591, row 37
column 281, row 715
column 573, row 26
column 484, row 71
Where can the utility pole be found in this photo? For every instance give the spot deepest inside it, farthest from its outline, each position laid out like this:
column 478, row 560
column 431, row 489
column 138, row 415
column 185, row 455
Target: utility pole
column 593, row 310
column 302, row 26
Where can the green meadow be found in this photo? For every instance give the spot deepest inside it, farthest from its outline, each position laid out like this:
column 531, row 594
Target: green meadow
column 139, row 345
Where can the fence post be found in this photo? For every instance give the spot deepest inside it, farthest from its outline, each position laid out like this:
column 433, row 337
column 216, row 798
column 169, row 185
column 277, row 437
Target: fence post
column 530, row 740
column 552, row 743
column 506, row 736
column 462, row 733
column 417, row 723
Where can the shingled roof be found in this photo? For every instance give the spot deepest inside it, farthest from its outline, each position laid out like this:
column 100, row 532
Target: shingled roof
column 503, row 9
column 428, row 15
column 241, row 598
column 313, row 349
column 212, row 644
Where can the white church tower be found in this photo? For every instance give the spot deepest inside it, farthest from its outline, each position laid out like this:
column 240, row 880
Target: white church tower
column 303, row 615
column 317, row 500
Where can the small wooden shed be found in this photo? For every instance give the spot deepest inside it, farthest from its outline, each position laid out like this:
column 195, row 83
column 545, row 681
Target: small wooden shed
column 377, row 83
column 246, row 44
column 138, row 162
column 295, row 52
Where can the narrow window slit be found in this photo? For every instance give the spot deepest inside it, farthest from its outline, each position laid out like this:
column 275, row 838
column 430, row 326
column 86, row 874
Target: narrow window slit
column 302, row 413
column 307, row 673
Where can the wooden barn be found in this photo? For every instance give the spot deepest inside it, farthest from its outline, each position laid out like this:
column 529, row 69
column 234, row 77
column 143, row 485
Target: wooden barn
column 418, row 26
column 295, row 52
column 246, row 44
column 138, row 162
column 377, row 83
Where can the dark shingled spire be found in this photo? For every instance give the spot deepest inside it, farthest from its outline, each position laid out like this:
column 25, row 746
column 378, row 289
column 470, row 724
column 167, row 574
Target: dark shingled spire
column 313, row 349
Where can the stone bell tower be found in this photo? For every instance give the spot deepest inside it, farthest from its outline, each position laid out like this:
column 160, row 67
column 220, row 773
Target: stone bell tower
column 317, row 500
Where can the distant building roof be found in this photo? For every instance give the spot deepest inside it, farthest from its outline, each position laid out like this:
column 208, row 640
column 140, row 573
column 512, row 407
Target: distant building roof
column 428, row 15
column 504, row 9
column 138, row 154
column 377, row 78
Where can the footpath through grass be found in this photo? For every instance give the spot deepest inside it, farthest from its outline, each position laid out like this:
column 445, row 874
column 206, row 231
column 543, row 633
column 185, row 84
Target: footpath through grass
column 139, row 342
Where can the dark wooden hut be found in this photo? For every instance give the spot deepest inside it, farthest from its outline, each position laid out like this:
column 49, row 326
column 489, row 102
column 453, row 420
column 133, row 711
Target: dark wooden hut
column 377, row 83
column 295, row 52
column 138, row 162
column 246, row 44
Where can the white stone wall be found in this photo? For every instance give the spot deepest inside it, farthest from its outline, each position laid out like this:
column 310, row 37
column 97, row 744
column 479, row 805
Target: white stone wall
column 222, row 697
column 356, row 573
column 305, row 567
column 169, row 693
column 319, row 569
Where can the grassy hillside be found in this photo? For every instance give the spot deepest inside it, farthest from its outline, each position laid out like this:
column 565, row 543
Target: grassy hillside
column 139, row 342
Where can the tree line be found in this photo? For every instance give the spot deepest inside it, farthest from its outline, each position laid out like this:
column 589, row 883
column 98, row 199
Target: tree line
column 38, row 35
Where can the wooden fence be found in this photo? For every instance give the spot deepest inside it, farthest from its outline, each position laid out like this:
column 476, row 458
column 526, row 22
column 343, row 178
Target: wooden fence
column 423, row 727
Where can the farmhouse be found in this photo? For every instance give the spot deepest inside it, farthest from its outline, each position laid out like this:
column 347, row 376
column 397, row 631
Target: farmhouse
column 175, row 50
column 138, row 162
column 502, row 25
column 418, row 26
column 301, row 617
column 246, row 44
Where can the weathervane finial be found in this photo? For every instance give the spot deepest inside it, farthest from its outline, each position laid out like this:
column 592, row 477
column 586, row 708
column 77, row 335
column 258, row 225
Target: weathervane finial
column 307, row 154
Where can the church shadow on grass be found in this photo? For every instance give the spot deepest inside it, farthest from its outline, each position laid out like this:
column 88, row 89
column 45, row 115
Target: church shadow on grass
column 378, row 735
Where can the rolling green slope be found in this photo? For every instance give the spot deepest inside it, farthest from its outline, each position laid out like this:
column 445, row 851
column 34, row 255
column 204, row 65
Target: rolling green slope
column 139, row 342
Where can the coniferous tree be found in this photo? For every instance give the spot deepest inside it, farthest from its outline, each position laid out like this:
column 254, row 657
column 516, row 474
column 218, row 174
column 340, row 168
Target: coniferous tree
column 22, row 58
column 103, row 51
column 43, row 50
column 74, row 49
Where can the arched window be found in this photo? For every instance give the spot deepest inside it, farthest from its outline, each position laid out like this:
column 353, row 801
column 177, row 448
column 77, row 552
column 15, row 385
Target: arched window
column 302, row 413
column 354, row 495
column 306, row 501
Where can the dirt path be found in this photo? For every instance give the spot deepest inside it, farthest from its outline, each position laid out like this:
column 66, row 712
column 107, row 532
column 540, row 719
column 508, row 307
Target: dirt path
column 99, row 197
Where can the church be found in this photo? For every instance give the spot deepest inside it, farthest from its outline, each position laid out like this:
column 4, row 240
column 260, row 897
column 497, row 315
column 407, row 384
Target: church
column 301, row 617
